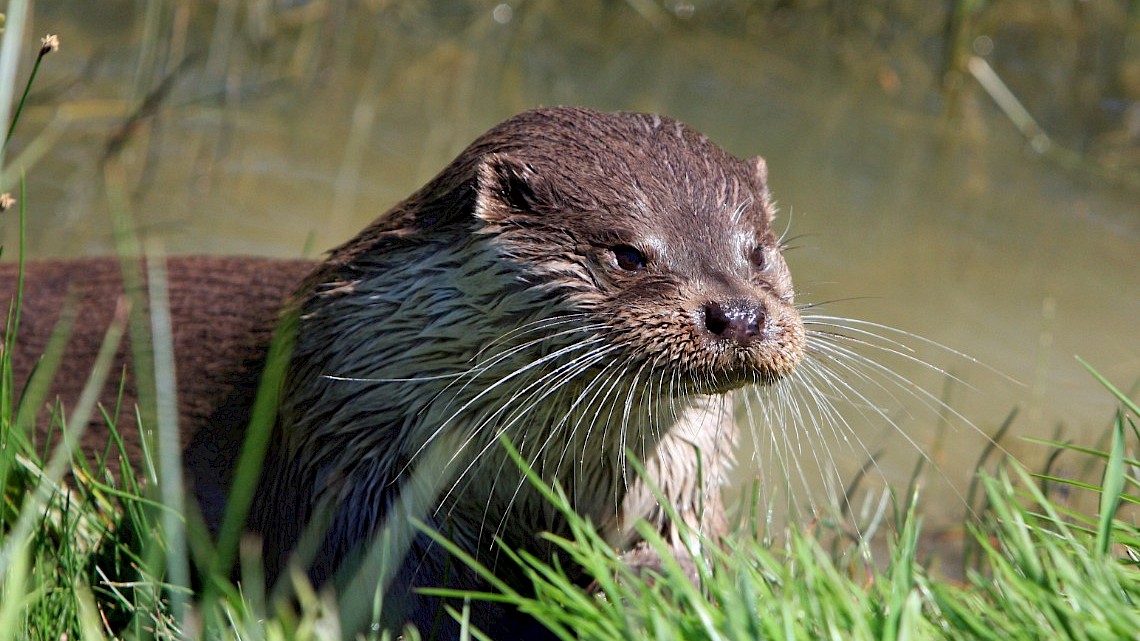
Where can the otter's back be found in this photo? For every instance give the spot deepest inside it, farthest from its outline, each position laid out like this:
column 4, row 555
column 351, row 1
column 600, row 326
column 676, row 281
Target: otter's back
column 223, row 310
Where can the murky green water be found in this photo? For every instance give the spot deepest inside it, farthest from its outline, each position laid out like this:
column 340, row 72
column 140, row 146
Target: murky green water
column 293, row 127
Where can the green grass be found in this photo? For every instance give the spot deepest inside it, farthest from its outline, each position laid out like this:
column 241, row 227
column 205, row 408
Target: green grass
column 1044, row 573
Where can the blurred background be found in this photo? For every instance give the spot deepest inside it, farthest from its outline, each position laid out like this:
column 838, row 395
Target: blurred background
column 967, row 171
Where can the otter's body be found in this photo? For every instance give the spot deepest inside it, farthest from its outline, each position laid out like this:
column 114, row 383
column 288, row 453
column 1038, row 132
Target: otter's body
column 581, row 284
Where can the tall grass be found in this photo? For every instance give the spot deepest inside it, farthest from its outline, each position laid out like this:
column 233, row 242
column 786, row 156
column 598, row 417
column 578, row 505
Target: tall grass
column 1045, row 572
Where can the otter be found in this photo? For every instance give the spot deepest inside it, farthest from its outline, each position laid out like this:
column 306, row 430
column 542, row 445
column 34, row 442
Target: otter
column 584, row 286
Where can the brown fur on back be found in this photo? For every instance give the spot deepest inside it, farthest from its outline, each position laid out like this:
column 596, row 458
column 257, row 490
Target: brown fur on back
column 223, row 311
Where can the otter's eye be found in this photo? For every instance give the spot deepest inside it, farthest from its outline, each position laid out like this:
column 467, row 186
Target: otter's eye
column 759, row 257
column 629, row 258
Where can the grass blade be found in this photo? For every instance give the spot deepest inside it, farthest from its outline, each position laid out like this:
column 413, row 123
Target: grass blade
column 169, row 443
column 1120, row 396
column 1112, row 487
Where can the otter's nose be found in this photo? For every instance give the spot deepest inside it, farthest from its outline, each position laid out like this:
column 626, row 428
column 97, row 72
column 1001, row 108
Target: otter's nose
column 737, row 320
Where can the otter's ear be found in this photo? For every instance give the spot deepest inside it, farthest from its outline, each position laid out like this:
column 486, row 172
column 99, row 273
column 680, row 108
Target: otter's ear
column 759, row 171
column 506, row 187
column 760, row 182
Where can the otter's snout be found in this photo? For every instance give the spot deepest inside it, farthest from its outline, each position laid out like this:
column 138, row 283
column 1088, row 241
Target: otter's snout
column 738, row 320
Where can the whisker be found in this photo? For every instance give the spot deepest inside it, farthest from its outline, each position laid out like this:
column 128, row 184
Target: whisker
column 493, row 386
column 852, row 323
column 579, row 363
column 367, row 379
column 487, row 366
column 919, row 393
column 613, row 368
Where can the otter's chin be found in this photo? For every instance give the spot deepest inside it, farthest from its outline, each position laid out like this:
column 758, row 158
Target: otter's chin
column 717, row 388
column 725, row 382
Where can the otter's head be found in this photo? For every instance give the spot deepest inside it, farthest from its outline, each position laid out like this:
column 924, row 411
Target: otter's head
column 654, row 233
column 660, row 239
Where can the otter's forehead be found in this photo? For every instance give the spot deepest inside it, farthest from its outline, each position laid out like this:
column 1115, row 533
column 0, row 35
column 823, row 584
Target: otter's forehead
column 621, row 156
column 589, row 136
column 647, row 175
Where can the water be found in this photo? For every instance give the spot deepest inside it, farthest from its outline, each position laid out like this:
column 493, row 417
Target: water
column 297, row 123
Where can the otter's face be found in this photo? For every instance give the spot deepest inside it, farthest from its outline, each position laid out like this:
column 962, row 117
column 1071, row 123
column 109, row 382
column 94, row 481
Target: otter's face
column 712, row 300
column 678, row 265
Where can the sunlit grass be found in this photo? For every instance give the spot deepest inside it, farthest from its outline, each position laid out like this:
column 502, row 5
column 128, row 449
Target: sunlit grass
column 1044, row 572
